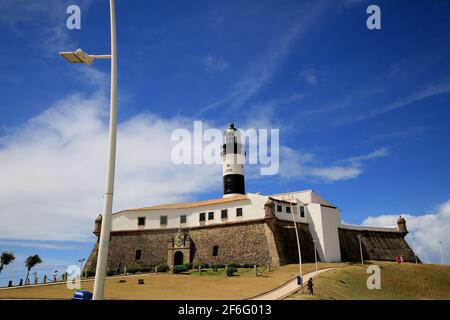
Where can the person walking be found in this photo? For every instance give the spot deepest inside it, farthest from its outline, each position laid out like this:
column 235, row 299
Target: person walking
column 310, row 286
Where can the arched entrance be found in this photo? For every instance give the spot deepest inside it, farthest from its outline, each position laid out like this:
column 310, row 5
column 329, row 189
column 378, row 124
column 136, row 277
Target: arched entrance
column 178, row 258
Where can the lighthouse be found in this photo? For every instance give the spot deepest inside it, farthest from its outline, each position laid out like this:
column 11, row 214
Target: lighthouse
column 233, row 158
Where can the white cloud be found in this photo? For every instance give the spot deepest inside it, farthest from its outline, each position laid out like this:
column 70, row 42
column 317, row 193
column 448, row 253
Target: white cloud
column 215, row 64
column 294, row 164
column 427, row 229
column 53, row 169
column 312, row 76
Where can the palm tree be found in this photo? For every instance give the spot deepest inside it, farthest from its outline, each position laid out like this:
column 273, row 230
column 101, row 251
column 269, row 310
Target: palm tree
column 30, row 262
column 6, row 258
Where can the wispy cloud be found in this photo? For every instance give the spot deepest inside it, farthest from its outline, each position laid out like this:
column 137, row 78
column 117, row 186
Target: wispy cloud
column 294, row 164
column 428, row 92
column 215, row 64
column 260, row 73
column 428, row 229
column 47, row 20
column 40, row 244
column 312, row 76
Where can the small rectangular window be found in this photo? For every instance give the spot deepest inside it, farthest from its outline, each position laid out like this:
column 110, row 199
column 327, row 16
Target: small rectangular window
column 137, row 255
column 302, row 211
column 163, row 220
column 279, row 208
column 141, row 221
column 288, row 209
column 202, row 216
column 215, row 252
column 238, row 212
column 183, row 219
column 224, row 214
column 210, row 215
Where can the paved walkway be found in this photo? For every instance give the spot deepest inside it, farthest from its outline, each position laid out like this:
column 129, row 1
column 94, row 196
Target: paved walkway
column 288, row 288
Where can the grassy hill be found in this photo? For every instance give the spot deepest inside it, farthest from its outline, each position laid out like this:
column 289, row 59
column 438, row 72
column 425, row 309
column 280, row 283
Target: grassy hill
column 398, row 281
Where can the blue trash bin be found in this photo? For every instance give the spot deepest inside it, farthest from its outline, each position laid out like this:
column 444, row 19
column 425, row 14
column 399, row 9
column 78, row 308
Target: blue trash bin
column 299, row 280
column 82, row 295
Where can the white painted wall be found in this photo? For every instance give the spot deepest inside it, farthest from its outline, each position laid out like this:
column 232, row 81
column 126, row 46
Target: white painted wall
column 323, row 225
column 253, row 208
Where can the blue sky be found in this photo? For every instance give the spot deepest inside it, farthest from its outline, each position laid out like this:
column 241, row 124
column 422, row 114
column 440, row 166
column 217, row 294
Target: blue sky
column 363, row 114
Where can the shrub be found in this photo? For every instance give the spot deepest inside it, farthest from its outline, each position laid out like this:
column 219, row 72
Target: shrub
column 90, row 273
column 235, row 265
column 188, row 266
column 231, row 271
column 218, row 266
column 180, row 268
column 146, row 269
column 202, row 265
column 133, row 268
column 248, row 265
column 110, row 272
column 163, row 267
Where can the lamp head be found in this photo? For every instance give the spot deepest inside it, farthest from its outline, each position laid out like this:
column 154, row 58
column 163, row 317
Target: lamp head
column 77, row 56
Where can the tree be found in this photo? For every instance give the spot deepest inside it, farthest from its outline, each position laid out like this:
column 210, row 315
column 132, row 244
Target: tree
column 30, row 262
column 6, row 258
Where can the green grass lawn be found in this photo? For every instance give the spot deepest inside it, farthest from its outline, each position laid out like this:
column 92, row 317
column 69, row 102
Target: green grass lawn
column 398, row 281
column 204, row 286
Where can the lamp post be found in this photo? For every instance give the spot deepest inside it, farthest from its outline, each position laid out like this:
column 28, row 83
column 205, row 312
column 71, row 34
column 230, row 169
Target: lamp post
column 79, row 56
column 315, row 256
column 442, row 253
column 298, row 243
column 81, row 263
column 360, row 249
column 414, row 248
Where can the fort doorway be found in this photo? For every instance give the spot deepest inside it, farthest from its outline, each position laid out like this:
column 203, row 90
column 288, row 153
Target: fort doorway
column 178, row 258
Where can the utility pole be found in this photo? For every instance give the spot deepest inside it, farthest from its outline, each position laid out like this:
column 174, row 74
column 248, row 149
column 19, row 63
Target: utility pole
column 360, row 249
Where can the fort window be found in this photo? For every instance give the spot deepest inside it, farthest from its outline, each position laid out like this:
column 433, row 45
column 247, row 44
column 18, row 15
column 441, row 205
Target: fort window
column 279, row 208
column 302, row 211
column 137, row 255
column 141, row 221
column 215, row 252
column 202, row 216
column 210, row 215
column 163, row 220
column 183, row 219
column 238, row 212
column 288, row 209
column 224, row 214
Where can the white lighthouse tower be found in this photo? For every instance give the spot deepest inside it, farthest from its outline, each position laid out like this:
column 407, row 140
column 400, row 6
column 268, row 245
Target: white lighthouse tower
column 233, row 158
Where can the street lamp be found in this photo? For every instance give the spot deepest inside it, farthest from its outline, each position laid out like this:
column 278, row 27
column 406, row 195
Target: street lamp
column 81, row 263
column 414, row 248
column 315, row 255
column 442, row 253
column 79, row 56
column 298, row 243
column 360, row 249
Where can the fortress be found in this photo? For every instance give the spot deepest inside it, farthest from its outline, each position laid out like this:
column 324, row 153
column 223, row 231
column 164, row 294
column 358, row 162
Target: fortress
column 245, row 228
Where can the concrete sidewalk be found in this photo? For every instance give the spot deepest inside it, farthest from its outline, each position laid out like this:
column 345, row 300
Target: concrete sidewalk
column 288, row 288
